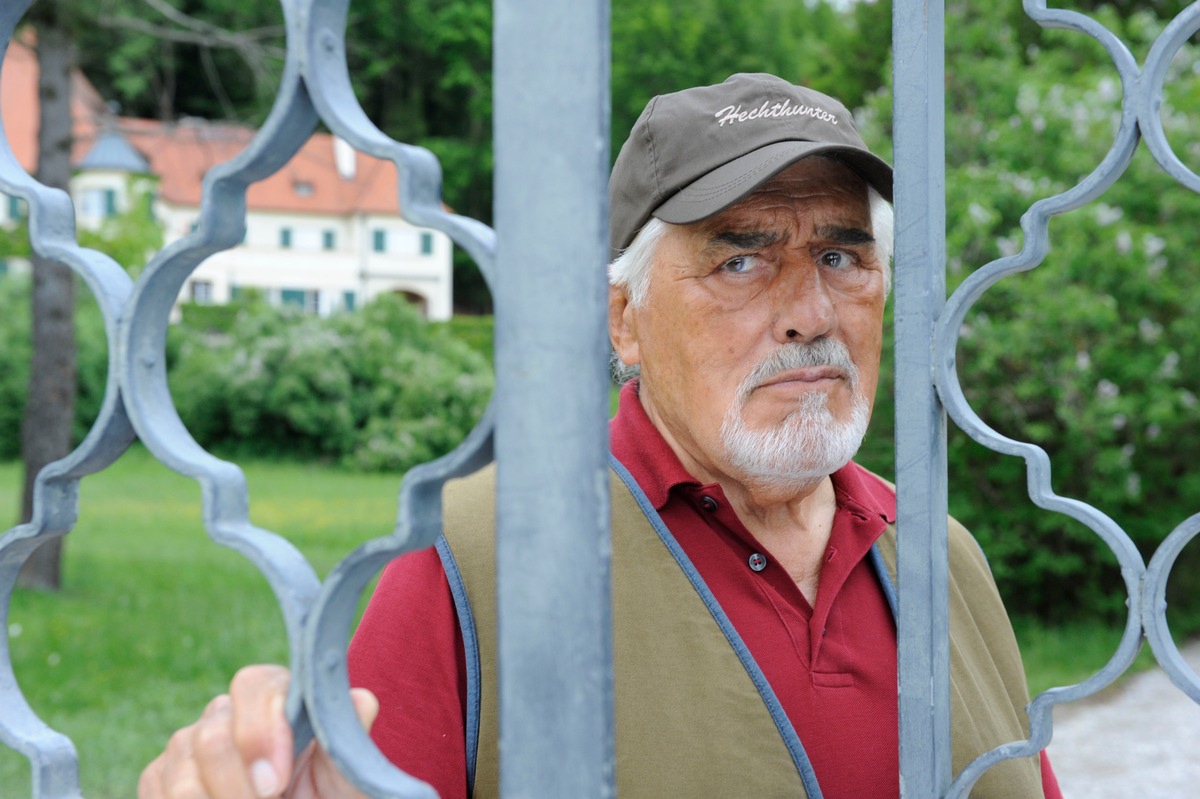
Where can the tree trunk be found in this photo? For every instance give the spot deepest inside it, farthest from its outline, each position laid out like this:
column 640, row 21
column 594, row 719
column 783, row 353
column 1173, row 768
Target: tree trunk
column 50, row 407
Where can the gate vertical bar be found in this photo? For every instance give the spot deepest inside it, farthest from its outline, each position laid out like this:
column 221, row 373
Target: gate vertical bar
column 555, row 629
column 923, row 624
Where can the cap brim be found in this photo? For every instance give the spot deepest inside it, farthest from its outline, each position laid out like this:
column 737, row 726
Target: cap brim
column 729, row 183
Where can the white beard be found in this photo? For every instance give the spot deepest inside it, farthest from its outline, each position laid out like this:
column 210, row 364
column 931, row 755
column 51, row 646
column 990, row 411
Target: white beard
column 810, row 443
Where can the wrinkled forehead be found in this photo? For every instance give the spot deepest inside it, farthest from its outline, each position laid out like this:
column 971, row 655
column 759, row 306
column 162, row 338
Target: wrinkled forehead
column 819, row 186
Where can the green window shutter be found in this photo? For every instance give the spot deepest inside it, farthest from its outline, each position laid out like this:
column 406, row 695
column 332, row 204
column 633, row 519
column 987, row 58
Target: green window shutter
column 285, row 237
column 379, row 240
column 426, row 244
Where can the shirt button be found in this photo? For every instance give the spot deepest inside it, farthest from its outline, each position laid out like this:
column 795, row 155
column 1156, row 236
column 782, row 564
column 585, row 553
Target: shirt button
column 757, row 562
column 708, row 503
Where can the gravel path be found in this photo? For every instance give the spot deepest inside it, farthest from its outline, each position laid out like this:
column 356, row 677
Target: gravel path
column 1139, row 741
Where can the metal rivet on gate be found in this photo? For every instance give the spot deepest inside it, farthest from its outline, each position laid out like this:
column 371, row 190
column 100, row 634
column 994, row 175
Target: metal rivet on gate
column 758, row 562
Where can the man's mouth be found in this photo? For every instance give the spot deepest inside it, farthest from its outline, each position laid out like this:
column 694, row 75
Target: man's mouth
column 811, row 374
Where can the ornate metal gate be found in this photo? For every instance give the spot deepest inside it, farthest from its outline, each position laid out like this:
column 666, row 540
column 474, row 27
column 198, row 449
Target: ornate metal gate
column 552, row 163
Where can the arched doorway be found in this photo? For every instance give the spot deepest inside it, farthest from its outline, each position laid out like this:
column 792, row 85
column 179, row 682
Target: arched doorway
column 416, row 299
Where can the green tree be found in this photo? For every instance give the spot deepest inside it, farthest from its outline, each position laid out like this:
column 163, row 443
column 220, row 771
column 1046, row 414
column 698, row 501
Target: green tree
column 662, row 46
column 163, row 60
column 1092, row 354
column 50, row 401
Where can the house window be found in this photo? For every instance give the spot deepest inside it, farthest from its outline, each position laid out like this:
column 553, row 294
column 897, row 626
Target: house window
column 99, row 203
column 235, row 293
column 348, row 300
column 303, row 188
column 328, row 240
column 16, row 208
column 307, row 301
column 379, row 240
column 285, row 238
column 426, row 243
column 202, row 292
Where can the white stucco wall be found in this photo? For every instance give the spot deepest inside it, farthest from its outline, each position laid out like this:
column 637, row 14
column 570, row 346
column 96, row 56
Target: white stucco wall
column 351, row 266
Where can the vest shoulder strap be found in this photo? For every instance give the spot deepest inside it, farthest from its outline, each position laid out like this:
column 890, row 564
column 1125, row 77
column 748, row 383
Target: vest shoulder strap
column 988, row 691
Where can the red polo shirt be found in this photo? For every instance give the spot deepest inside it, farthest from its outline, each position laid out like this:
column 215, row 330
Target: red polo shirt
column 832, row 666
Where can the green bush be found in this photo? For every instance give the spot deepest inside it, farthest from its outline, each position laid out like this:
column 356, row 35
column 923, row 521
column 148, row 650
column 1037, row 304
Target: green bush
column 14, row 361
column 213, row 318
column 91, row 361
column 476, row 331
column 378, row 389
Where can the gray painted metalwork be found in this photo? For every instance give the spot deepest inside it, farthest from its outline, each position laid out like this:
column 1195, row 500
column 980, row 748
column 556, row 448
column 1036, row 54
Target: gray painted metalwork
column 554, row 634
column 922, row 549
column 1146, row 588
column 53, row 762
column 552, row 156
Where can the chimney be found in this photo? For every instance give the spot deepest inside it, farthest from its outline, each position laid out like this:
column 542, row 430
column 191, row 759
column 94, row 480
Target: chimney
column 345, row 158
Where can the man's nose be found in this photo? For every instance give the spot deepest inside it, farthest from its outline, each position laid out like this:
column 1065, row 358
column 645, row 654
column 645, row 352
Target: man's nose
column 804, row 309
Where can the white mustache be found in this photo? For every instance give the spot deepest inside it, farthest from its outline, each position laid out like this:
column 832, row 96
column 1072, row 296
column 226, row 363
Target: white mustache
column 821, row 352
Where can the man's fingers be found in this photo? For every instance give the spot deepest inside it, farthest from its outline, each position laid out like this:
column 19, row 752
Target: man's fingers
column 260, row 729
column 242, row 747
column 318, row 771
column 178, row 776
column 366, row 706
column 217, row 759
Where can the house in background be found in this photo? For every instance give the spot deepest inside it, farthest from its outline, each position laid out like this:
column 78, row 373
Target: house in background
column 323, row 233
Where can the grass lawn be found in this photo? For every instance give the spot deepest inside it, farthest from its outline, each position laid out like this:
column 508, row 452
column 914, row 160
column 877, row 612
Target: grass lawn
column 154, row 618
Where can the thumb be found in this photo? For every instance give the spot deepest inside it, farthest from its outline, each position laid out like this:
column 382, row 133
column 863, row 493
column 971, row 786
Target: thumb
column 325, row 778
column 366, row 706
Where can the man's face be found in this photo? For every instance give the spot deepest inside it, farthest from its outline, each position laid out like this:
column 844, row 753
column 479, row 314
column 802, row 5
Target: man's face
column 791, row 268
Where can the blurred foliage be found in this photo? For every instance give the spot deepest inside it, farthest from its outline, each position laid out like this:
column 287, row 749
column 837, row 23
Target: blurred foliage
column 477, row 332
column 130, row 239
column 1093, row 354
column 378, row 389
column 375, row 390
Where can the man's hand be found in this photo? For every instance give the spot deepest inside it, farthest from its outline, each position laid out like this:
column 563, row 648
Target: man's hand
column 241, row 748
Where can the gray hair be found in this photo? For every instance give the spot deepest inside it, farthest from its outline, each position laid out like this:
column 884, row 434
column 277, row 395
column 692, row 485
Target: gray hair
column 631, row 269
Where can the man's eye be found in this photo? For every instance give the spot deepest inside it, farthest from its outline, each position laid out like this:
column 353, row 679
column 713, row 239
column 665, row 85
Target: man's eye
column 739, row 265
column 835, row 259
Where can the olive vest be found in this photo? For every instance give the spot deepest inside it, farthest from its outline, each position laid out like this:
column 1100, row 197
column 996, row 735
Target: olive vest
column 694, row 715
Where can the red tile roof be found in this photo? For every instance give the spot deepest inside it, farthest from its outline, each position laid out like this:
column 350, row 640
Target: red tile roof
column 19, row 103
column 181, row 152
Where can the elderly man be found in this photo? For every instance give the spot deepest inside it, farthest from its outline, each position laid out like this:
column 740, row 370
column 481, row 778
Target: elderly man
column 755, row 645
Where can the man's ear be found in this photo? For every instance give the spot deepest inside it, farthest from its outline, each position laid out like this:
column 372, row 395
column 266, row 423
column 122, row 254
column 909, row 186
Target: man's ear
column 622, row 326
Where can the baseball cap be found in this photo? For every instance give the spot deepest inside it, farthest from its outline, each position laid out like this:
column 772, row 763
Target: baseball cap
column 696, row 152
